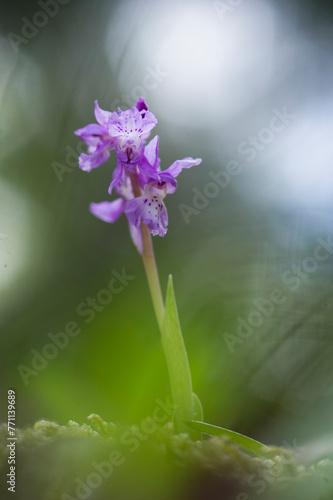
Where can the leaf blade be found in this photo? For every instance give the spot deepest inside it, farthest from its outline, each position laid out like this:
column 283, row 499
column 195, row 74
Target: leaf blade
column 251, row 445
column 178, row 365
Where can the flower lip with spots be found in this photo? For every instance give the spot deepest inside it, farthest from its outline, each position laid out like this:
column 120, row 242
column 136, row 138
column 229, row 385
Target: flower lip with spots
column 150, row 208
column 131, row 127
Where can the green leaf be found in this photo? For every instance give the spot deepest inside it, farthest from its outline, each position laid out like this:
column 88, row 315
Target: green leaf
column 178, row 366
column 248, row 444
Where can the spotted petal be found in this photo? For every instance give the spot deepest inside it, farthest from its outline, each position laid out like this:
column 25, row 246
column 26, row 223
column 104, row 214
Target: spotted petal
column 150, row 209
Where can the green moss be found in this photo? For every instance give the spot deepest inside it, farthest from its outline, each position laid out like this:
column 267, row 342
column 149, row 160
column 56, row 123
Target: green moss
column 54, row 459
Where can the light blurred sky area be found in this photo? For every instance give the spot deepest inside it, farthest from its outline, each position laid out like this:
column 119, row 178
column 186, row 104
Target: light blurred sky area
column 248, row 87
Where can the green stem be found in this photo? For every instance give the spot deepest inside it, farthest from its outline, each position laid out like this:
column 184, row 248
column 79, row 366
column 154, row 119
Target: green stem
column 149, row 263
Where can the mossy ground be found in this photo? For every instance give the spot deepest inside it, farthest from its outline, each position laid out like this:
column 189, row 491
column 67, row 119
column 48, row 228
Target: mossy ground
column 101, row 461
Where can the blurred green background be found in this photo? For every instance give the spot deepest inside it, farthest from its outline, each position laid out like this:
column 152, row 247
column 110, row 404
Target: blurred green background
column 215, row 74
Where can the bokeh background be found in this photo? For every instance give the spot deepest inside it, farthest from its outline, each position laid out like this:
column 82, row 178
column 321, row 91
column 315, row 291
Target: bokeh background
column 215, row 74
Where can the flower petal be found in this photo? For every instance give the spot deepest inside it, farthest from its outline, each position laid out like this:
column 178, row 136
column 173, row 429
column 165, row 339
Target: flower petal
column 116, row 177
column 151, row 152
column 108, row 211
column 166, row 178
column 148, row 122
column 151, row 210
column 147, row 169
column 103, row 117
column 179, row 165
column 94, row 160
column 91, row 133
column 124, row 187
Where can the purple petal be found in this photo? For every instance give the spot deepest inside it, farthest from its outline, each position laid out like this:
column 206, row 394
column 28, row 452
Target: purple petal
column 108, row 211
column 146, row 168
column 124, row 187
column 178, row 165
column 149, row 122
column 133, row 211
column 151, row 152
column 143, row 181
column 91, row 133
column 136, row 237
column 94, row 160
column 102, row 116
column 116, row 177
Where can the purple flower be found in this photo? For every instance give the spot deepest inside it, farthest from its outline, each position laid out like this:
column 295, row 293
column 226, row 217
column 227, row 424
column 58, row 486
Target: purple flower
column 124, row 131
column 137, row 179
column 131, row 128
column 149, row 207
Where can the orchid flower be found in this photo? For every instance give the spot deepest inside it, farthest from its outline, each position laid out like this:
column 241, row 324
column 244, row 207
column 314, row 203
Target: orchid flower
column 125, row 131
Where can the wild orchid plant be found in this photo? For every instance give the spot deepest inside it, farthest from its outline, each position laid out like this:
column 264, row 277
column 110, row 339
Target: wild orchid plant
column 142, row 187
